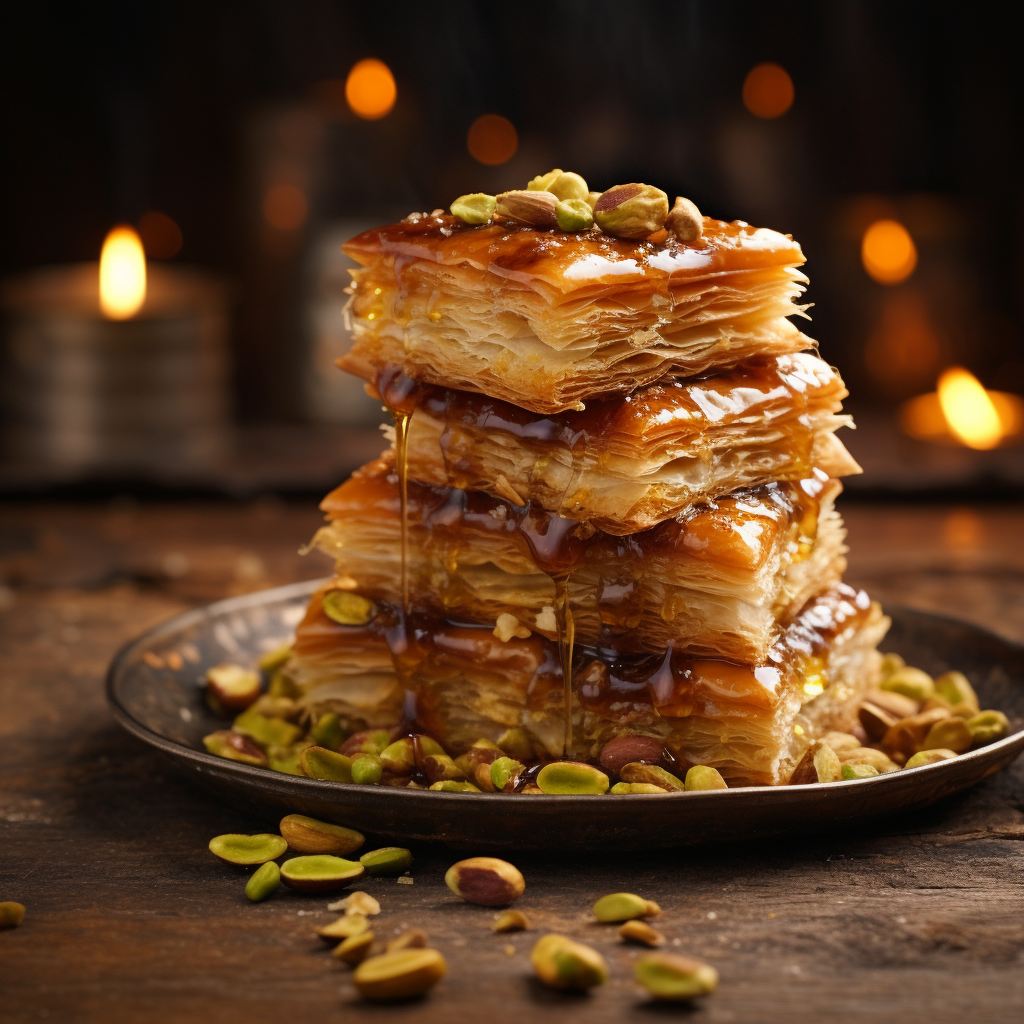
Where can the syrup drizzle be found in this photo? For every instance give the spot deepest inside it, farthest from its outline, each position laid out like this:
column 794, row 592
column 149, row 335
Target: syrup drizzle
column 566, row 636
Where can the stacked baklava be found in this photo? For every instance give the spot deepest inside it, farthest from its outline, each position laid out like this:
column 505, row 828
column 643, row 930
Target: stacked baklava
column 607, row 510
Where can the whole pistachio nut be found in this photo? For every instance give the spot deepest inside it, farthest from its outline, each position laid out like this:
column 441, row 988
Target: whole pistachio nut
column 702, row 776
column 652, row 775
column 247, row 850
column 641, row 932
column 894, row 703
column 232, row 686
column 343, row 927
column 567, row 777
column 486, row 881
column 266, row 731
column 561, row 963
column 347, row 608
column 868, row 755
column 684, row 220
column 321, row 763
column 858, row 771
column 475, row 208
column 987, row 726
column 949, row 734
column 511, row 921
column 388, row 860
column 454, row 786
column 307, row 835
column 841, row 741
column 543, row 182
column 483, row 751
column 328, row 731
column 819, row 763
column 270, row 661
column 503, row 772
column 875, row 721
column 517, row 743
column 890, row 663
column 620, row 906
column 534, row 208
column 440, row 767
column 369, row 741
column 592, row 198
column 955, row 688
column 367, row 770
column 574, row 215
column 623, row 750
column 636, row 788
column 923, row 757
column 424, row 747
column 355, row 949
column 568, row 186
column 911, row 682
column 631, row 211
column 320, row 873
column 399, row 757
column 907, row 736
column 11, row 914
column 235, row 747
column 411, row 938
column 673, row 978
column 264, row 882
column 399, row 975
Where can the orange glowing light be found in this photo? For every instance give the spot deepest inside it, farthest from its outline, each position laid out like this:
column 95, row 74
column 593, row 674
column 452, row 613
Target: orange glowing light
column 888, row 252
column 122, row 274
column 285, row 206
column 370, row 89
column 160, row 236
column 492, row 139
column 962, row 412
column 768, row 90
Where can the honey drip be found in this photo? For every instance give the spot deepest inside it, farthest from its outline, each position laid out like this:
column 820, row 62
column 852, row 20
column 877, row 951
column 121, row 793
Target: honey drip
column 402, row 466
column 566, row 636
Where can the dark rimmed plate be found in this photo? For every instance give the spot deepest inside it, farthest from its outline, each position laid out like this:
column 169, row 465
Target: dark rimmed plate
column 162, row 704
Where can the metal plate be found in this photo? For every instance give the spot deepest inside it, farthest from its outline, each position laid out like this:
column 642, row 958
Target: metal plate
column 164, row 707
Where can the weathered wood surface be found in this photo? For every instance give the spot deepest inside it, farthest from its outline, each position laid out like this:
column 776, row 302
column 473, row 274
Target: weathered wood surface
column 130, row 918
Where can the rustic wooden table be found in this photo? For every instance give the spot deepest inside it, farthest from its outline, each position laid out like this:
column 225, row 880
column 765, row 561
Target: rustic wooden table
column 130, row 918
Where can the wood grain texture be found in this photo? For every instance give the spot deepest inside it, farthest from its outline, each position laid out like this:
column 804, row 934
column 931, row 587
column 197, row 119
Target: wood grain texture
column 130, row 918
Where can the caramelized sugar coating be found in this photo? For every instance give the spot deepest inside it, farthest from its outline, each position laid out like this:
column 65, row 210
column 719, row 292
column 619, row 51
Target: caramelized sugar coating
column 546, row 320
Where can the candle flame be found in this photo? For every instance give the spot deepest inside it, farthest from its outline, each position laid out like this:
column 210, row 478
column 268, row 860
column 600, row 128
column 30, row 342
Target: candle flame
column 122, row 274
column 970, row 413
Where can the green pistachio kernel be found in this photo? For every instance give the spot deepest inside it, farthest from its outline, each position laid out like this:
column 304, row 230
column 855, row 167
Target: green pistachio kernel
column 287, row 759
column 264, row 881
column 321, row 763
column 636, row 771
column 567, row 186
column 328, row 731
column 504, row 770
column 574, row 215
column 987, row 726
column 266, row 731
column 955, row 689
column 562, row 963
column 621, row 906
column 388, row 860
column 235, row 747
column 454, row 786
column 623, row 788
column 701, row 776
column 543, row 182
column 273, row 659
column 347, row 608
column 440, row 768
column 320, row 873
column 399, row 757
column 858, row 771
column 890, row 663
column 246, row 851
column 367, row 770
column 949, row 734
column 475, row 208
column 923, row 757
column 282, row 685
column 911, row 682
column 567, row 777
column 672, row 978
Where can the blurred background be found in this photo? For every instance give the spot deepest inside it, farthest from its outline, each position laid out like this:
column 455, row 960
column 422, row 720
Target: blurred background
column 241, row 143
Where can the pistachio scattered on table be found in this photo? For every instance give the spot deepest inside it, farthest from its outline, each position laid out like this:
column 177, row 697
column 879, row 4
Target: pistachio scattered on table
column 673, row 978
column 511, row 921
column 639, row 931
column 561, row 962
column 487, row 881
column 399, row 975
column 320, row 873
column 246, row 851
column 308, row 835
column 624, row 906
column 388, row 860
column 355, row 948
column 263, row 882
column 11, row 914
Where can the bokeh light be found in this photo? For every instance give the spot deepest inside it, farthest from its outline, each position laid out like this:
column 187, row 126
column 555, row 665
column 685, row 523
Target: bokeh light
column 370, row 89
column 492, row 139
column 285, row 206
column 122, row 274
column 969, row 411
column 888, row 252
column 768, row 90
column 161, row 237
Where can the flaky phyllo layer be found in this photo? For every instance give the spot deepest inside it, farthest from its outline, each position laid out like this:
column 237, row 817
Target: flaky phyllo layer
column 547, row 320
column 719, row 580
column 628, row 463
column 748, row 721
